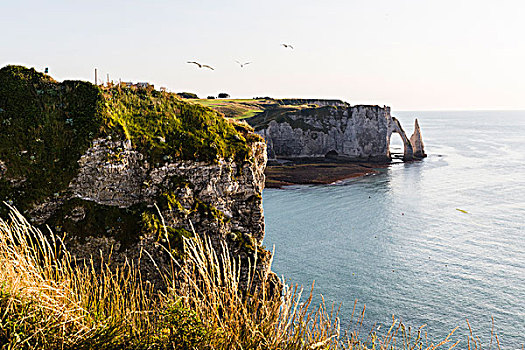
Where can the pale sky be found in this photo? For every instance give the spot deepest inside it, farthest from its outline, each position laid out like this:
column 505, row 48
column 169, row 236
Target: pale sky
column 408, row 54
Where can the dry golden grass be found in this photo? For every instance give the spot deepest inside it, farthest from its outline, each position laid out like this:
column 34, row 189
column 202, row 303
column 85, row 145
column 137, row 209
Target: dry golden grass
column 49, row 302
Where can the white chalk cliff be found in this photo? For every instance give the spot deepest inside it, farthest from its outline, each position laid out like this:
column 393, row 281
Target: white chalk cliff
column 349, row 132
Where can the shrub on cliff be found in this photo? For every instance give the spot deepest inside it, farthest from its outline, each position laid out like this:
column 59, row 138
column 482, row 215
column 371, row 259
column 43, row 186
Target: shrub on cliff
column 187, row 95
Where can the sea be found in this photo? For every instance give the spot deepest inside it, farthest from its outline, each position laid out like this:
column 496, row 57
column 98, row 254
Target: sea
column 433, row 243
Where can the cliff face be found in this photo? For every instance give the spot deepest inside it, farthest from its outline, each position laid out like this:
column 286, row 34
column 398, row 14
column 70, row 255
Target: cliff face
column 110, row 202
column 109, row 167
column 349, row 132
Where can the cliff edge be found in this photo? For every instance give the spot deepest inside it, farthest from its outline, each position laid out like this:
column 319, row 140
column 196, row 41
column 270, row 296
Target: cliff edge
column 314, row 128
column 107, row 166
column 352, row 133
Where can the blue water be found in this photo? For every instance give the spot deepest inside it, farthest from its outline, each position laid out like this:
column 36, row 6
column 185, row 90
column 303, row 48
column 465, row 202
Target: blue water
column 407, row 250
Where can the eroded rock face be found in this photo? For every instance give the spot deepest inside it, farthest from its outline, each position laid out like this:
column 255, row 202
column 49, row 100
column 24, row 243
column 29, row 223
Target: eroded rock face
column 416, row 140
column 233, row 190
column 356, row 132
column 348, row 132
column 219, row 200
column 129, row 172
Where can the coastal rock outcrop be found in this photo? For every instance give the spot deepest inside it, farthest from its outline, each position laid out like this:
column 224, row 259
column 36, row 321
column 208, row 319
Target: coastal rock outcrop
column 126, row 171
column 337, row 129
column 416, row 140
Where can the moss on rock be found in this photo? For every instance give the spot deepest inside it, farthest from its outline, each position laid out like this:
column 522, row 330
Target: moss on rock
column 163, row 127
column 209, row 212
column 82, row 218
column 47, row 126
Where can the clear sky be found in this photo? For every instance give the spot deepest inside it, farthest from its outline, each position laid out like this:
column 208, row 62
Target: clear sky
column 409, row 54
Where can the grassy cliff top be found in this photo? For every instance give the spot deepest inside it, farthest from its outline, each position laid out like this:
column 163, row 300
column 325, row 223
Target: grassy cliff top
column 48, row 125
column 248, row 108
column 234, row 108
column 258, row 112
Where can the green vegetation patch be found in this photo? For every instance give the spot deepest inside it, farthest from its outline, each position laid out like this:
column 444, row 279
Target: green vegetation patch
column 210, row 212
column 234, row 108
column 162, row 126
column 185, row 328
column 245, row 241
column 47, row 126
column 171, row 237
column 260, row 112
column 82, row 218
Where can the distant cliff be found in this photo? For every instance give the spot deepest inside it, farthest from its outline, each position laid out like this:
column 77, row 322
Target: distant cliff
column 102, row 164
column 334, row 129
column 311, row 101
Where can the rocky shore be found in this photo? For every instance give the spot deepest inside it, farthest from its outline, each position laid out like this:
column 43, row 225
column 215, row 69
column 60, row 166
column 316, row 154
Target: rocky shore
column 315, row 171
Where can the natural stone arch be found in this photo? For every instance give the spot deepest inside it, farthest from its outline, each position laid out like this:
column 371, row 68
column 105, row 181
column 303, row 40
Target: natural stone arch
column 408, row 151
column 395, row 146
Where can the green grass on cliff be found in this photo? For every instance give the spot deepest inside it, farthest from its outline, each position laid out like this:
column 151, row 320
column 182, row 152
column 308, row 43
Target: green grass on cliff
column 250, row 108
column 233, row 108
column 260, row 112
column 47, row 126
column 162, row 125
column 49, row 302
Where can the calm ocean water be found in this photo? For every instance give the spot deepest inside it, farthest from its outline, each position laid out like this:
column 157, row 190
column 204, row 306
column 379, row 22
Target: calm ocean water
column 407, row 250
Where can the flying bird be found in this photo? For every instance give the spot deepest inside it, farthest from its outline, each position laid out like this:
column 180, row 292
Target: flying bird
column 287, row 46
column 201, row 65
column 243, row 64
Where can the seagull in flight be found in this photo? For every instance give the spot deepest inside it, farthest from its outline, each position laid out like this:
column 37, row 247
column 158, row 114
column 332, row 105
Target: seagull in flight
column 243, row 64
column 201, row 65
column 287, row 46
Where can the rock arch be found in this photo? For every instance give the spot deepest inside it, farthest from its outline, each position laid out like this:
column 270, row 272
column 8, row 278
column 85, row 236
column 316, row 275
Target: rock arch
column 413, row 147
column 408, row 152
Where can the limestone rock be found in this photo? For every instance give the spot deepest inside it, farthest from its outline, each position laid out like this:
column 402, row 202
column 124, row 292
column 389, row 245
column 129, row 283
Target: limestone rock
column 416, row 140
column 348, row 132
column 222, row 201
column 127, row 171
